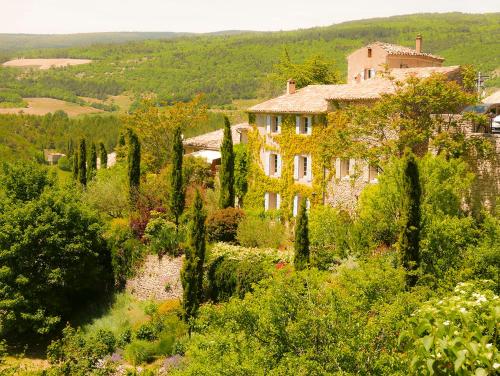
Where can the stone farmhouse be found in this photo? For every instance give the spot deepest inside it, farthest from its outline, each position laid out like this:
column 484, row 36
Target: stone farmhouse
column 289, row 173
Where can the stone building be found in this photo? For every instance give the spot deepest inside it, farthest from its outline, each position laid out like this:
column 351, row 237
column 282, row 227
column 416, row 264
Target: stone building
column 288, row 129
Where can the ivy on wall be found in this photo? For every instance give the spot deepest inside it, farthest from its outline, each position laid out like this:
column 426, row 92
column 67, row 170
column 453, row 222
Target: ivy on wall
column 288, row 144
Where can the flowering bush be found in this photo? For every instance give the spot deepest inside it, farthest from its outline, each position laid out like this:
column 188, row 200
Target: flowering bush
column 457, row 334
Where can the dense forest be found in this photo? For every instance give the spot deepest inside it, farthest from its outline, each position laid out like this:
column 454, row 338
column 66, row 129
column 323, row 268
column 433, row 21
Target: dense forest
column 233, row 66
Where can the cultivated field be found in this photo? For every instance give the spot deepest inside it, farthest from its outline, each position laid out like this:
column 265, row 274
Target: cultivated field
column 42, row 106
column 44, row 63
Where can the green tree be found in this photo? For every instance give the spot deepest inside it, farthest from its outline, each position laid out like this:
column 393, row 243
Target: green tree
column 92, row 162
column 121, row 148
column 134, row 166
column 53, row 259
column 24, row 181
column 301, row 244
column 409, row 237
column 177, row 196
column 103, row 154
column 192, row 270
column 82, row 163
column 241, row 166
column 226, row 198
column 75, row 166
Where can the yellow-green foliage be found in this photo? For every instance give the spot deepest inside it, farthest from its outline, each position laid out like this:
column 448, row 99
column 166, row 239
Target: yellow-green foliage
column 290, row 144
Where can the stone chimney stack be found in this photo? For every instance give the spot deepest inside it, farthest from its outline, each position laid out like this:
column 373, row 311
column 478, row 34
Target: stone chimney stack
column 418, row 43
column 290, row 86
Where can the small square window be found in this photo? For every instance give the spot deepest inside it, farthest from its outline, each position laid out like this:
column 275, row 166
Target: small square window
column 369, row 52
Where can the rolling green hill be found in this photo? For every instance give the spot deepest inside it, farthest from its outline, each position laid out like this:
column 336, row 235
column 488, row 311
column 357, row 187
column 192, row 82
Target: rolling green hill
column 232, row 65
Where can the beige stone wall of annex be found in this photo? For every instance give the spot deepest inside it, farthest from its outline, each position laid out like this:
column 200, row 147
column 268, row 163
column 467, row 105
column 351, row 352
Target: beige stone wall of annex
column 358, row 61
column 404, row 61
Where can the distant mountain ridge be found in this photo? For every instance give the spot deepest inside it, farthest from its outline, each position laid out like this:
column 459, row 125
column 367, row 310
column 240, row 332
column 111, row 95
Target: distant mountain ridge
column 230, row 65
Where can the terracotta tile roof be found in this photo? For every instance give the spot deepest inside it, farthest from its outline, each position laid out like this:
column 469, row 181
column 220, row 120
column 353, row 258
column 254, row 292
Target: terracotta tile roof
column 394, row 49
column 315, row 98
column 213, row 140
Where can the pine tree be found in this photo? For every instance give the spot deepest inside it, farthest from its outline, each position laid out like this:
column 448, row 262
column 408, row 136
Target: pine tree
column 301, row 245
column 92, row 162
column 75, row 166
column 177, row 198
column 226, row 198
column 82, row 163
column 192, row 271
column 103, row 155
column 409, row 237
column 134, row 166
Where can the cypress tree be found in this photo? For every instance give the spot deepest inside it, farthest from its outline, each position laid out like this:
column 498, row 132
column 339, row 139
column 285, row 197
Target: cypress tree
column 177, row 199
column 75, row 166
column 301, row 244
column 82, row 163
column 192, row 270
column 226, row 198
column 121, row 147
column 103, row 155
column 409, row 237
column 134, row 166
column 92, row 162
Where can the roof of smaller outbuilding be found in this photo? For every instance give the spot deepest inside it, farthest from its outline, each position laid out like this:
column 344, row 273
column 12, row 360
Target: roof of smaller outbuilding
column 395, row 49
column 213, row 140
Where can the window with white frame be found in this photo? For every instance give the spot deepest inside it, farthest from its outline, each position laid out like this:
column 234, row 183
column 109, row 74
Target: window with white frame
column 373, row 173
column 273, row 165
column 273, row 123
column 303, row 168
column 303, row 125
column 297, row 201
column 342, row 167
column 272, row 201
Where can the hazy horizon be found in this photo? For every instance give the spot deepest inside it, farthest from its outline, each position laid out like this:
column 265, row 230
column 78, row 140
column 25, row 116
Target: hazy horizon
column 194, row 16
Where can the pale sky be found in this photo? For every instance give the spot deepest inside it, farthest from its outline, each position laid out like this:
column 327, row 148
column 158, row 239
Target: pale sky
column 72, row 16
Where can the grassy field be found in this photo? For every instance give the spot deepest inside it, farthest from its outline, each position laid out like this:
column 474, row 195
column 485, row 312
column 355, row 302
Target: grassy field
column 42, row 106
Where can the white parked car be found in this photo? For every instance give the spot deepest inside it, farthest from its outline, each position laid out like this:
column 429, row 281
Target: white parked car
column 495, row 124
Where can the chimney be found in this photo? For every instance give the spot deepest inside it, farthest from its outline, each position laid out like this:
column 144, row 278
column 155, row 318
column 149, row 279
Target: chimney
column 418, row 43
column 290, row 86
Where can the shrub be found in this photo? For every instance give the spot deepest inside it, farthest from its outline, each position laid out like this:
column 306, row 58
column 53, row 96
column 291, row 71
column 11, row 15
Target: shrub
column 233, row 270
column 146, row 332
column 456, row 334
column 196, row 171
column 65, row 164
column 138, row 352
column 163, row 236
column 222, row 225
column 258, row 232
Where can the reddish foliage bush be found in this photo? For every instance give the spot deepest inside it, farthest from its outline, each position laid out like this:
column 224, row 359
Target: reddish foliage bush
column 222, row 225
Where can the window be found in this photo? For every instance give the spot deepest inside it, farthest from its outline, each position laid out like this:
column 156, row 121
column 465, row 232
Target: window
column 273, row 124
column 369, row 73
column 344, row 168
column 369, row 52
column 272, row 201
column 303, row 168
column 373, row 174
column 273, row 165
column 303, row 125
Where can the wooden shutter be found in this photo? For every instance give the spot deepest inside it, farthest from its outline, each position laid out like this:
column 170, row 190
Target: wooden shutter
column 352, row 166
column 309, row 168
column 366, row 172
column 279, row 165
column 297, row 124
column 310, row 127
column 267, row 157
column 278, row 200
column 295, row 205
column 279, row 123
column 296, row 167
column 337, row 168
column 268, row 123
column 266, row 201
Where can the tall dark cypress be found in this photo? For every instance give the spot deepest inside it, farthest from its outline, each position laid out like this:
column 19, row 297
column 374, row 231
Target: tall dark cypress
column 226, row 198
column 192, row 270
column 177, row 198
column 121, row 147
column 103, row 155
column 409, row 237
column 75, row 166
column 301, row 244
column 134, row 166
column 82, row 163
column 92, row 162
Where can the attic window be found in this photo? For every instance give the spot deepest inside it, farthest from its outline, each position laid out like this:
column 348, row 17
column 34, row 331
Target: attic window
column 369, row 52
